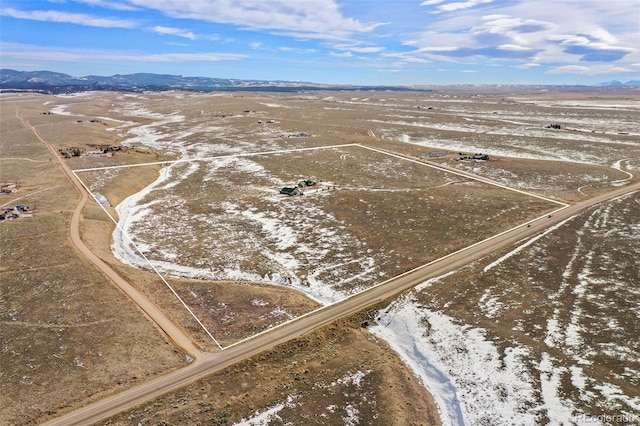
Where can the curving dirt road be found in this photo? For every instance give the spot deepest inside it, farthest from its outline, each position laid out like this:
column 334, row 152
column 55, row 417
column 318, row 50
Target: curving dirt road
column 173, row 333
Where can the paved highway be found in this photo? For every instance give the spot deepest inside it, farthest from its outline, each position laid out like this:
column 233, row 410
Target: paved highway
column 206, row 364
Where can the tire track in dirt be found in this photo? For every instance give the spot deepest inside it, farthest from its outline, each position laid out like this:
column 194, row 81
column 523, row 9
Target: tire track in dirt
column 38, row 325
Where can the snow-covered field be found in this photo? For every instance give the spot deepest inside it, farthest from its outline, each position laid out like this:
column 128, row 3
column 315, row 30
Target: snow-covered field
column 579, row 366
column 232, row 240
column 233, row 203
column 545, row 340
column 596, row 135
column 472, row 382
column 234, row 225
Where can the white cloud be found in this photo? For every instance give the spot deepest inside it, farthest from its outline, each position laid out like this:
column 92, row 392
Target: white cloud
column 69, row 18
column 11, row 51
column 512, row 47
column 528, row 65
column 558, row 32
column 109, row 4
column 590, row 70
column 297, row 50
column 181, row 57
column 511, row 26
column 341, row 55
column 603, row 35
column 370, row 49
column 570, row 39
column 406, row 57
column 359, row 48
column 301, row 18
column 454, row 6
column 175, row 32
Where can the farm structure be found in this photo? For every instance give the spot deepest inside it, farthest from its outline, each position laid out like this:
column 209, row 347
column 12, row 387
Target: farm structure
column 297, row 190
column 306, row 182
column 12, row 213
column 475, row 157
column 291, row 191
column 9, row 188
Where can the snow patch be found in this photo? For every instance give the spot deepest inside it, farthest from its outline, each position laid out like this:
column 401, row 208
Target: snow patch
column 463, row 370
column 558, row 411
column 263, row 418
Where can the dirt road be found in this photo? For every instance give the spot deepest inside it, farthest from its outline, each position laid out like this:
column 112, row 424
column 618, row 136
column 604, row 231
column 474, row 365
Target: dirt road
column 209, row 363
column 173, row 333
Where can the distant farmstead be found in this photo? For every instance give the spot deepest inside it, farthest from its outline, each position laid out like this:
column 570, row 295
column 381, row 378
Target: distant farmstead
column 297, row 190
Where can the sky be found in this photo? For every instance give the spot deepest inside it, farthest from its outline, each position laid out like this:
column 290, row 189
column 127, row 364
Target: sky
column 371, row 42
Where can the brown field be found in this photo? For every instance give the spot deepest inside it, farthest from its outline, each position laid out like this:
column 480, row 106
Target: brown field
column 322, row 379
column 420, row 214
column 69, row 336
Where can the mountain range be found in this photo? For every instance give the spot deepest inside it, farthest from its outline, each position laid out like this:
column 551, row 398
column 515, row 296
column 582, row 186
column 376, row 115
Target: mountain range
column 55, row 83
column 619, row 83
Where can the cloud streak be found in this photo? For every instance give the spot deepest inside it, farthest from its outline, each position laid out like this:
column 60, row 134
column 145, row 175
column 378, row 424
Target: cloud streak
column 174, row 31
column 442, row 6
column 69, row 18
column 17, row 50
column 108, row 4
column 593, row 70
column 301, row 18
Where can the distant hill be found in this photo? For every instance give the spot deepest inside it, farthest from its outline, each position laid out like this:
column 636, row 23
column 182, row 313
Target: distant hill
column 55, row 83
column 619, row 83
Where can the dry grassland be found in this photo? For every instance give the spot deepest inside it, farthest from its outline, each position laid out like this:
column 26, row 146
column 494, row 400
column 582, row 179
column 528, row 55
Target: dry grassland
column 67, row 334
column 418, row 214
column 69, row 337
column 571, row 182
column 322, row 378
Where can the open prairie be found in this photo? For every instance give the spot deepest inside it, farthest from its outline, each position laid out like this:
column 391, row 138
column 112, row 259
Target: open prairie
column 368, row 217
column 193, row 182
column 66, row 335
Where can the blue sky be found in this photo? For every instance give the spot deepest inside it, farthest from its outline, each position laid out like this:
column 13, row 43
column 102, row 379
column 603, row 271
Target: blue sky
column 390, row 42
